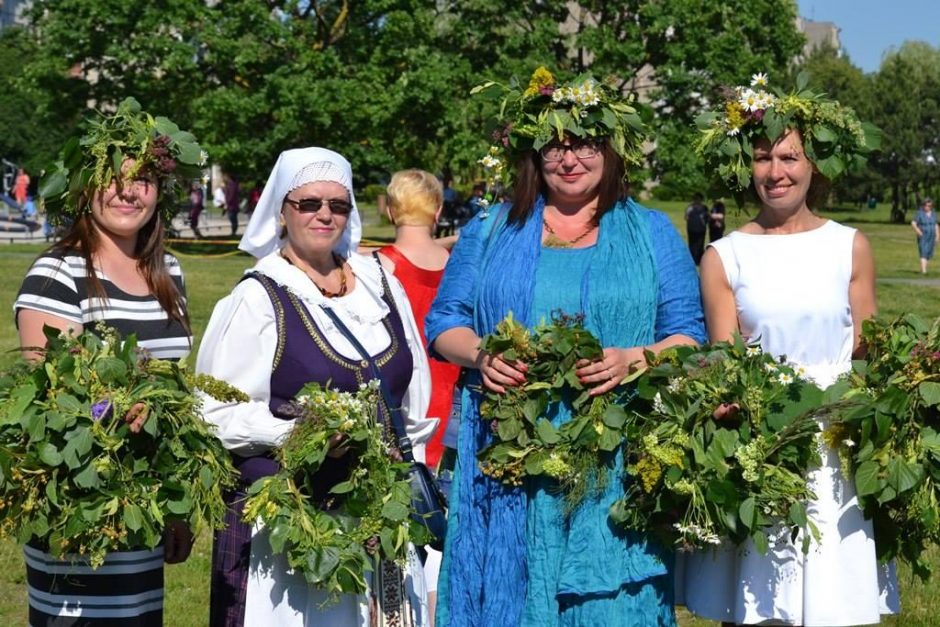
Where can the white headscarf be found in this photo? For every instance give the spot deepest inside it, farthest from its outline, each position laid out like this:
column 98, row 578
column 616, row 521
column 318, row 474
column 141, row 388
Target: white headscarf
column 293, row 169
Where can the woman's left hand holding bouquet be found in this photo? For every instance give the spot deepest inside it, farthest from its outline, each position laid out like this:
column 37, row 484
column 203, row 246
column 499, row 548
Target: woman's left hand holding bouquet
column 461, row 345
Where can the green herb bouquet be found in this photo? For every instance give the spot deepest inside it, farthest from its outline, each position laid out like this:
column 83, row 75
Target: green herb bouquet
column 74, row 478
column 891, row 436
column 697, row 479
column 330, row 543
column 526, row 443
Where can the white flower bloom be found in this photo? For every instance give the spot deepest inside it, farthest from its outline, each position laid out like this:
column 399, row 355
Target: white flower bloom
column 753, row 351
column 759, row 80
column 658, row 406
column 675, row 384
column 670, row 32
column 491, row 163
column 848, row 442
column 203, row 157
column 770, row 367
column 732, row 132
column 785, row 378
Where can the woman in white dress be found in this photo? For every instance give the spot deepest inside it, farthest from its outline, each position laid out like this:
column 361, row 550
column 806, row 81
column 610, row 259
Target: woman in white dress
column 800, row 285
column 271, row 336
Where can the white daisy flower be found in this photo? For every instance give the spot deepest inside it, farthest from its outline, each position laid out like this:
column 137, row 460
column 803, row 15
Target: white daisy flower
column 753, row 351
column 785, row 379
column 759, row 80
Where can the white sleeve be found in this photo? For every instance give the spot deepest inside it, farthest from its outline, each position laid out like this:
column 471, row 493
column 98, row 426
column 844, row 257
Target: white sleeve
column 417, row 398
column 238, row 347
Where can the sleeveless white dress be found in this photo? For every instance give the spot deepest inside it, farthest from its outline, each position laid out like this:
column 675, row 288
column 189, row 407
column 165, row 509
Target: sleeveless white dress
column 791, row 293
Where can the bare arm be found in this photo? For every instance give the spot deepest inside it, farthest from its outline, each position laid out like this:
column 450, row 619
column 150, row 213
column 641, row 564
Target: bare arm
column 721, row 312
column 30, row 323
column 862, row 300
column 917, row 228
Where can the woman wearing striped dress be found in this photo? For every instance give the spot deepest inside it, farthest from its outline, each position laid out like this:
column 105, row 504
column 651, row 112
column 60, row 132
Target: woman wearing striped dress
column 110, row 267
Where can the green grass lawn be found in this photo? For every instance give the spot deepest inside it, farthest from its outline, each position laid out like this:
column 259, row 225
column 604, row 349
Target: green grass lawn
column 211, row 273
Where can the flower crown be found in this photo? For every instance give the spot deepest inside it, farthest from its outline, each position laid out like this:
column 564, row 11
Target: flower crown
column 92, row 161
column 545, row 111
column 833, row 137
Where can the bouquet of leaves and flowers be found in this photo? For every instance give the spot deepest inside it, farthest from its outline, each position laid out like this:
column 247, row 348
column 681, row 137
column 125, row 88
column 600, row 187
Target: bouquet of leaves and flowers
column 697, row 479
column 74, row 478
column 330, row 539
column 526, row 443
column 890, row 435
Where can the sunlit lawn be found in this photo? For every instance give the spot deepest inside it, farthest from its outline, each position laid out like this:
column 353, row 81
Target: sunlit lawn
column 211, row 276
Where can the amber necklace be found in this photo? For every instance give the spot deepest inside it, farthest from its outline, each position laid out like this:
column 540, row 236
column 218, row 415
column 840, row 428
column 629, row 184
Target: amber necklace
column 553, row 241
column 342, row 277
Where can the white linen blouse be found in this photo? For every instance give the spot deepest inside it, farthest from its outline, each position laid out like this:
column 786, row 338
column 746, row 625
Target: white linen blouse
column 241, row 338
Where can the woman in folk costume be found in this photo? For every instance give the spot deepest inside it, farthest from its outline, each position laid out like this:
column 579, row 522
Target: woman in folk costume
column 271, row 336
column 801, row 285
column 571, row 240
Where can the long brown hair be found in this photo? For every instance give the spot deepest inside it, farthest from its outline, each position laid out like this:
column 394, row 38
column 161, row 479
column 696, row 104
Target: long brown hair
column 530, row 184
column 83, row 238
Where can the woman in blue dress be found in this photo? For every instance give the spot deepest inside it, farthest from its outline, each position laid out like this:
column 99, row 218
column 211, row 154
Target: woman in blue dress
column 925, row 225
column 571, row 240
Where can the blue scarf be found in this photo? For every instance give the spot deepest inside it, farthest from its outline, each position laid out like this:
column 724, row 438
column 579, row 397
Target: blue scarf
column 484, row 579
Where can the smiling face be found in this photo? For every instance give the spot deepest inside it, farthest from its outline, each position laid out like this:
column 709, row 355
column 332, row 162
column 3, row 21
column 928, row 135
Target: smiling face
column 315, row 235
column 123, row 208
column 573, row 180
column 782, row 173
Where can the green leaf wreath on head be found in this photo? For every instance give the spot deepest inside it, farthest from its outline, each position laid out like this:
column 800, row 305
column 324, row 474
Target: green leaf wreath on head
column 833, row 137
column 90, row 162
column 544, row 111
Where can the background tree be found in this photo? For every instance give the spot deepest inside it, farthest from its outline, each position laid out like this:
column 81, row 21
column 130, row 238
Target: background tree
column 907, row 87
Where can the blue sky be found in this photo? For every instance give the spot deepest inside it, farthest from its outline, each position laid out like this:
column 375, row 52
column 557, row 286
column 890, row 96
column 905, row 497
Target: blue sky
column 872, row 27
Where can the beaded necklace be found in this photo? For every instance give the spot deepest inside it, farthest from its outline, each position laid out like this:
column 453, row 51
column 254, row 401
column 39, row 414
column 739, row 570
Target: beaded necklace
column 553, row 241
column 342, row 277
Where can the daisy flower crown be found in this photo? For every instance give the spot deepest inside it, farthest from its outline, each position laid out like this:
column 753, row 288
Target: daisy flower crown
column 93, row 160
column 544, row 111
column 833, row 137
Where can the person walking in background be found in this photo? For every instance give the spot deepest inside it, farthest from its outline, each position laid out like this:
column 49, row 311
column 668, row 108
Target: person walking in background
column 415, row 199
column 218, row 197
column 572, row 240
column 928, row 232
column 798, row 286
column 196, row 205
column 716, row 221
column 21, row 187
column 696, row 226
column 232, row 201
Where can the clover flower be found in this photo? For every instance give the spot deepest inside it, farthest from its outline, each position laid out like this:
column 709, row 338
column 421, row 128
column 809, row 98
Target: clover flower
column 101, row 410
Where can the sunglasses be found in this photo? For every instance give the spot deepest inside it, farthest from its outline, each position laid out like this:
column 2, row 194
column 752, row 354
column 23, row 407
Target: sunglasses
column 312, row 205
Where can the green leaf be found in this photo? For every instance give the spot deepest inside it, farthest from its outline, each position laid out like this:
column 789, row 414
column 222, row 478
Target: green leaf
column 902, row 475
column 760, row 542
column 930, row 393
column 867, row 480
column 393, row 510
column 50, row 455
column 20, row 398
column 133, row 517
column 277, row 537
column 610, row 439
column 798, row 514
column 111, row 370
column 547, row 433
column 342, row 487
column 747, row 512
column 181, row 506
column 87, row 478
column 614, row 416
column 322, row 562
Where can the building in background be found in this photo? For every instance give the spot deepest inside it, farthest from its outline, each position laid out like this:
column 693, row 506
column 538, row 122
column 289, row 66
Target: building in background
column 818, row 35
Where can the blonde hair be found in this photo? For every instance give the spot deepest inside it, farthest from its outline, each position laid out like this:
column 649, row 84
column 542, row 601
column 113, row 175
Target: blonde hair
column 414, row 196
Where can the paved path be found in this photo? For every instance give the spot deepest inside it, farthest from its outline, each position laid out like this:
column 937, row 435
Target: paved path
column 211, row 224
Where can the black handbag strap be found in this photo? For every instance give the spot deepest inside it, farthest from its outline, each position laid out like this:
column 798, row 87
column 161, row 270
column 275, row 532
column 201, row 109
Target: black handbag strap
column 398, row 424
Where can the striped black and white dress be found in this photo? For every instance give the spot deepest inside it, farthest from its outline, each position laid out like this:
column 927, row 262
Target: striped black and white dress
column 127, row 590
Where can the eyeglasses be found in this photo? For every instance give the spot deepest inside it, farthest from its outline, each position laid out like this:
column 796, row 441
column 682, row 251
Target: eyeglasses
column 581, row 150
column 312, row 205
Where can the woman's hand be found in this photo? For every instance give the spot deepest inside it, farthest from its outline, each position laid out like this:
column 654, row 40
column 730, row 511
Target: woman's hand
column 177, row 542
column 338, row 446
column 726, row 411
column 136, row 416
column 498, row 374
column 607, row 372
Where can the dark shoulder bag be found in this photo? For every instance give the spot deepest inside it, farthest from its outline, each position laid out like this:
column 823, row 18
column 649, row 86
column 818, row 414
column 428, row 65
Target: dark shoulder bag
column 428, row 501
